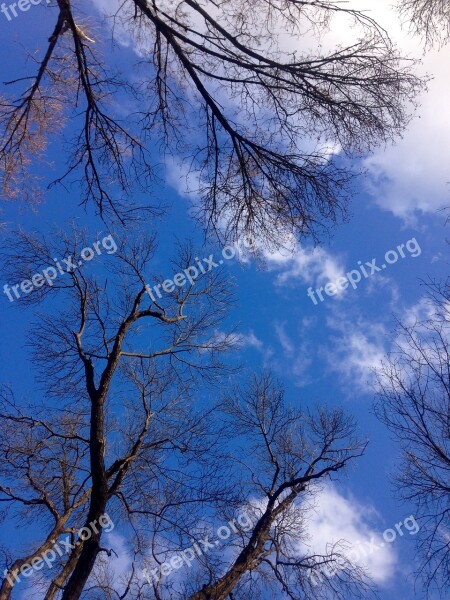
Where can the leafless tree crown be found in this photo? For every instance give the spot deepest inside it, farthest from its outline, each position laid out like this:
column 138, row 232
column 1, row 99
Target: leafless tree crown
column 414, row 402
column 429, row 19
column 122, row 431
column 255, row 122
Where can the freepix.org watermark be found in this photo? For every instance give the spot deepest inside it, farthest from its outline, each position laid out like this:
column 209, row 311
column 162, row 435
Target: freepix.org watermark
column 201, row 267
column 201, row 546
column 59, row 548
column 23, row 5
column 355, row 276
column 49, row 274
column 359, row 552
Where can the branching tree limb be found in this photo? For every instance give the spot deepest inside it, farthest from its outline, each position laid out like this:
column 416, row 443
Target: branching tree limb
column 98, row 343
column 257, row 124
column 414, row 402
column 430, row 19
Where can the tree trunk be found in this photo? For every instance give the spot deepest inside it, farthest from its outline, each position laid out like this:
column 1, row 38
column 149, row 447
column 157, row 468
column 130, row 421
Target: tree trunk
column 99, row 499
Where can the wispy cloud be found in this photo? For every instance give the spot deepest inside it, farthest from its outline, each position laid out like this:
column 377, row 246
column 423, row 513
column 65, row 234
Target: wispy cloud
column 295, row 264
column 355, row 348
column 330, row 518
column 338, row 518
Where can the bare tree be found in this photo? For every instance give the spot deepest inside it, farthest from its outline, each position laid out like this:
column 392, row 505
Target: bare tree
column 256, row 122
column 429, row 18
column 414, row 402
column 121, row 431
column 282, row 454
column 44, row 476
column 99, row 347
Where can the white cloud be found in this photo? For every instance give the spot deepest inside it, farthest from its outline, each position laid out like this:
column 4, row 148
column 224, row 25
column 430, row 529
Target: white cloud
column 119, row 564
column 109, row 8
column 283, row 338
column 411, row 178
column 357, row 347
column 380, row 283
column 297, row 358
column 419, row 312
column 338, row 519
column 311, row 266
column 330, row 518
column 183, row 180
column 430, row 337
column 249, row 340
column 355, row 350
column 301, row 366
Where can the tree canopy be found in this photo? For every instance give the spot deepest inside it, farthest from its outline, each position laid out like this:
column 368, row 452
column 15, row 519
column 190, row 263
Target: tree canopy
column 255, row 120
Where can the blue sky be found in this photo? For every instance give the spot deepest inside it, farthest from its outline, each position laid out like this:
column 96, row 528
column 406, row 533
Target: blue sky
column 324, row 352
